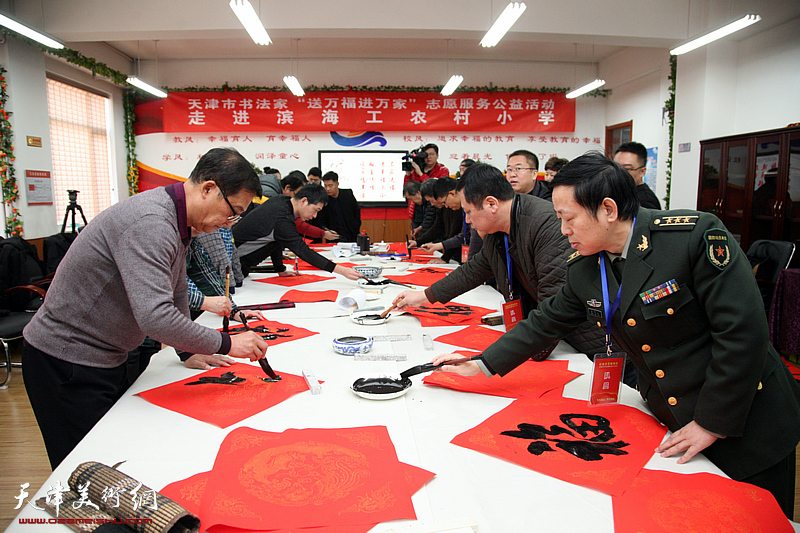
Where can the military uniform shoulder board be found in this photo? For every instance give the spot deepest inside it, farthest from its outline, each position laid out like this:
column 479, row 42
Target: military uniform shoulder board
column 675, row 222
column 573, row 256
column 718, row 251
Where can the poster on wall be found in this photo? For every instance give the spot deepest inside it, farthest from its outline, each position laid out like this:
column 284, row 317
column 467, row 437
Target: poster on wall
column 652, row 167
column 374, row 176
column 38, row 187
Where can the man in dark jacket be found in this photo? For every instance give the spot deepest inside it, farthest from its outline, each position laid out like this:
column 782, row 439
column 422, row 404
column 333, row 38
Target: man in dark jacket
column 271, row 225
column 522, row 171
column 342, row 213
column 632, row 156
column 686, row 317
column 535, row 244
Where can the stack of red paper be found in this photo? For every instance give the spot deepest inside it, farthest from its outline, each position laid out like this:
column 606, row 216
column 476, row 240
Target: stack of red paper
column 315, row 480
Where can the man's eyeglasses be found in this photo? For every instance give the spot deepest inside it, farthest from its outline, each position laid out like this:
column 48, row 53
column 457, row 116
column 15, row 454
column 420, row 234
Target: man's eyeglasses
column 631, row 169
column 235, row 217
column 515, row 170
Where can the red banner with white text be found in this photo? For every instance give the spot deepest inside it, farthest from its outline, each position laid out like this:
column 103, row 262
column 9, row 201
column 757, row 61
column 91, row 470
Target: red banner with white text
column 187, row 112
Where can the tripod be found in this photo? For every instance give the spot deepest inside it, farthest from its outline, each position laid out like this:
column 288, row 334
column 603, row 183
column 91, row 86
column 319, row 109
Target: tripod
column 73, row 205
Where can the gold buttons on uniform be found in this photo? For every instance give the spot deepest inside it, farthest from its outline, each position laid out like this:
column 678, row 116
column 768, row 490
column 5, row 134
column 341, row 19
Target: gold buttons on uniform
column 672, row 400
column 659, row 373
column 760, row 386
column 599, row 325
column 631, row 322
column 670, row 311
column 645, row 347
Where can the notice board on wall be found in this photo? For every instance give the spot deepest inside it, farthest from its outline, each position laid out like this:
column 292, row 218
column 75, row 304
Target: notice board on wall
column 376, row 176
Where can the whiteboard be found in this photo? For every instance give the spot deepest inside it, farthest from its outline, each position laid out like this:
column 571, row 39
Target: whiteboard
column 375, row 176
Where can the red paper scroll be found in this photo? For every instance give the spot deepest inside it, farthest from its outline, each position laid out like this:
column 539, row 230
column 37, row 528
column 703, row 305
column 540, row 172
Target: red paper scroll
column 289, row 333
column 438, row 314
column 259, row 111
column 189, row 493
column 293, row 281
column 224, row 405
column 310, row 296
column 306, row 478
column 601, row 447
column 424, row 276
column 665, row 502
column 531, row 379
column 472, row 337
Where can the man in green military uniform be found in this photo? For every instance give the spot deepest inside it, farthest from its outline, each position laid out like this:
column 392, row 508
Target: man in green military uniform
column 689, row 318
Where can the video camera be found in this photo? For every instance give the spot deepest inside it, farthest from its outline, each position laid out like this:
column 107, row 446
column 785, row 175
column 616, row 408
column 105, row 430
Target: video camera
column 418, row 156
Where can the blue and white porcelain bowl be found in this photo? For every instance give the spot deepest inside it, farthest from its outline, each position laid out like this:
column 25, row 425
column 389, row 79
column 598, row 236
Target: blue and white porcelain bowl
column 369, row 272
column 352, row 345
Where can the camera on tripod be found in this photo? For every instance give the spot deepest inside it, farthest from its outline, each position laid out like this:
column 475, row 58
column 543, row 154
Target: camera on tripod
column 71, row 208
column 418, row 156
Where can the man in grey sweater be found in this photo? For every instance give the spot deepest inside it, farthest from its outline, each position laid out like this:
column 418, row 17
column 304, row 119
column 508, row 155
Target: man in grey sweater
column 124, row 278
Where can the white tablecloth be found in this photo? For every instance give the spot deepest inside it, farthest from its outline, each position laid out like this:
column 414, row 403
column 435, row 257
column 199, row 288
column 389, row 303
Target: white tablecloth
column 161, row 446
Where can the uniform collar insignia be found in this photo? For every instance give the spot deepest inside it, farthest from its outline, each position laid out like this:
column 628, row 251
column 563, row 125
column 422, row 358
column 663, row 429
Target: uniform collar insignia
column 644, row 245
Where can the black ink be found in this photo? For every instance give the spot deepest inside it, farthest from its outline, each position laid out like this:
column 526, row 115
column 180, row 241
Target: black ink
column 381, row 385
column 591, row 449
column 448, row 310
column 228, row 378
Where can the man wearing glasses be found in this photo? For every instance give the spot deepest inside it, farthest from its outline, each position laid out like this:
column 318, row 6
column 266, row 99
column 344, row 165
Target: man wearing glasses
column 124, row 278
column 632, row 156
column 521, row 172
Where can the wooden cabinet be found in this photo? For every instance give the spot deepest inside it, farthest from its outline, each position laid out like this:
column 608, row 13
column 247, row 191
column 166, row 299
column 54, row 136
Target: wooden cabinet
column 752, row 183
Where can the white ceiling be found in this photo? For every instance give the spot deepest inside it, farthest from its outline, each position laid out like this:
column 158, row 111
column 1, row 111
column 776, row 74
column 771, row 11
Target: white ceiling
column 563, row 31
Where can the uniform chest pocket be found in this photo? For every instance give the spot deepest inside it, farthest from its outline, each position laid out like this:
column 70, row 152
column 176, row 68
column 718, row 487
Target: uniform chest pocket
column 676, row 314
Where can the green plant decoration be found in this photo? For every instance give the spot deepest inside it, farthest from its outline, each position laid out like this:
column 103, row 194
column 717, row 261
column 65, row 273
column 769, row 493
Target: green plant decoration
column 10, row 189
column 669, row 107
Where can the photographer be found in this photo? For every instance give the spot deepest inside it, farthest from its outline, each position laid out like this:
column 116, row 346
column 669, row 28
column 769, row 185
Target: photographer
column 420, row 170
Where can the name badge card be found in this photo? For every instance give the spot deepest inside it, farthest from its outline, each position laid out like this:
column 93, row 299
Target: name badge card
column 464, row 253
column 512, row 314
column 607, row 375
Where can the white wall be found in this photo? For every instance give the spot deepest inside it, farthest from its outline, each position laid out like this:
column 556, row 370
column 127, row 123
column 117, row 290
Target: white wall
column 27, row 68
column 639, row 77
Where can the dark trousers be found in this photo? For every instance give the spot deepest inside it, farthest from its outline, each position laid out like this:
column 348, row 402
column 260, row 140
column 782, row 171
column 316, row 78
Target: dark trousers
column 68, row 399
column 779, row 480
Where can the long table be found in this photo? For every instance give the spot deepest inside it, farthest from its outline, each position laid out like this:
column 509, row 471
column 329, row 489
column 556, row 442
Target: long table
column 160, row 446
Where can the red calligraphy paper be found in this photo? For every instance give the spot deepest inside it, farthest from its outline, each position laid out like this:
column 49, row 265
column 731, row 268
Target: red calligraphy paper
column 310, row 296
column 602, row 447
column 424, row 276
column 665, row 502
column 288, row 332
column 189, row 493
column 306, row 478
column 293, row 281
column 303, row 265
column 439, row 314
column 224, row 405
column 472, row 337
column 531, row 379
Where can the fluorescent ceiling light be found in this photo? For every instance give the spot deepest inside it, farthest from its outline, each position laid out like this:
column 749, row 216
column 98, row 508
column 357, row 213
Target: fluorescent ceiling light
column 146, row 87
column 586, row 88
column 452, row 84
column 39, row 37
column 247, row 16
column 503, row 23
column 716, row 34
column 293, row 85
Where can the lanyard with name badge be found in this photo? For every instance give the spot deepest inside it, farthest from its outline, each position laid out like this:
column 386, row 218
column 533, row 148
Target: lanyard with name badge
column 512, row 308
column 465, row 246
column 608, row 367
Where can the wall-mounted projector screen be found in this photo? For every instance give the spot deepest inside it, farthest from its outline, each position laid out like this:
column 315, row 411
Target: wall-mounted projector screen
column 376, row 177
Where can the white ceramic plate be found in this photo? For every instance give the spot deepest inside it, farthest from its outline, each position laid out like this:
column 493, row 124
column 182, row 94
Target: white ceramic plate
column 355, row 317
column 374, row 396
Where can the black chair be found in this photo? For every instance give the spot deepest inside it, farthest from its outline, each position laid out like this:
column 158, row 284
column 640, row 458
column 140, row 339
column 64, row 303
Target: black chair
column 768, row 258
column 13, row 320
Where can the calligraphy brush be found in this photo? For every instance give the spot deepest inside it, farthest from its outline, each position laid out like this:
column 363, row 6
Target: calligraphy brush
column 263, row 361
column 386, row 313
column 226, row 319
